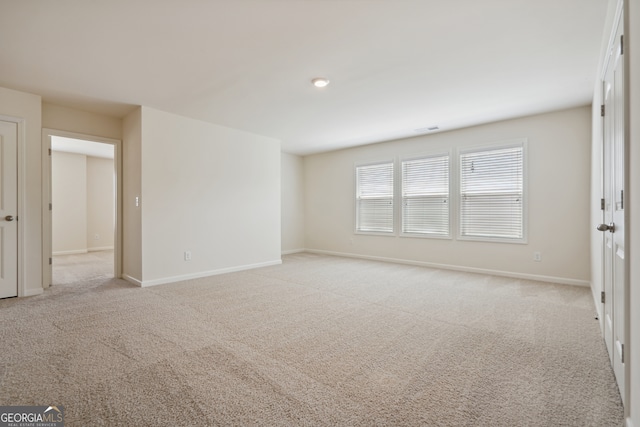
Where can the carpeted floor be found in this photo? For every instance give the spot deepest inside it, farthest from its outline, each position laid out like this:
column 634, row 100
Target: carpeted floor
column 316, row 341
column 81, row 268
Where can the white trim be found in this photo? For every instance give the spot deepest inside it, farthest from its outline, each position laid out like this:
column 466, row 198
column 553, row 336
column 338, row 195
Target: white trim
column 497, row 145
column 46, row 186
column 77, row 135
column 598, row 306
column 292, row 251
column 514, row 275
column 184, row 277
column 83, row 251
column 72, row 252
column 33, row 292
column 100, row 248
column 47, row 223
column 132, row 280
column 394, row 223
column 612, row 37
column 378, row 233
column 451, row 159
column 629, row 422
column 427, row 235
column 22, row 200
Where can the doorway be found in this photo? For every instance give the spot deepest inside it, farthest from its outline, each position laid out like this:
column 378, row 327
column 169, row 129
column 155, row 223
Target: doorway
column 82, row 214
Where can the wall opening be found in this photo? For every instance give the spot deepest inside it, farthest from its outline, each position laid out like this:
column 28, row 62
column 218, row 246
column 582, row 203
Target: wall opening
column 81, row 226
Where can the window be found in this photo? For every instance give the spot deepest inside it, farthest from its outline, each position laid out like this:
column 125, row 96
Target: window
column 412, row 197
column 425, row 196
column 492, row 193
column 374, row 198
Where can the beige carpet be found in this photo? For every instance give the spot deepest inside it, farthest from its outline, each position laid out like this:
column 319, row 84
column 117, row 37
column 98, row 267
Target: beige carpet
column 81, row 268
column 316, row 341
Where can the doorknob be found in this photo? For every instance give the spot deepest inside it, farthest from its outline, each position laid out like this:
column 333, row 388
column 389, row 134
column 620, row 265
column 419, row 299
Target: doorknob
column 604, row 227
column 8, row 218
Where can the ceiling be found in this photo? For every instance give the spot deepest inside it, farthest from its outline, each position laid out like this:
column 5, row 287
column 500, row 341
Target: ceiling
column 396, row 66
column 80, row 146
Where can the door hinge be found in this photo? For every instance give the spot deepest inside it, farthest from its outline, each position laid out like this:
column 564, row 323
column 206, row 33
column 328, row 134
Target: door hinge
column 622, row 353
column 622, row 44
column 601, row 204
column 602, row 297
column 49, row 151
column 51, row 206
column 621, row 199
column 602, row 110
column 50, row 261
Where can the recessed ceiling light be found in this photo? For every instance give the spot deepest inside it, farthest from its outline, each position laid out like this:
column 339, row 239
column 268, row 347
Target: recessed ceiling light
column 320, row 82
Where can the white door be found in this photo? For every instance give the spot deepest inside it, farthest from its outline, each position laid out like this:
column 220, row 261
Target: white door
column 613, row 215
column 8, row 209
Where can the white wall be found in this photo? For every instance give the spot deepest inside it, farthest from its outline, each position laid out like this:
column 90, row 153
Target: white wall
column 100, row 203
column 632, row 38
column 83, row 203
column 28, row 107
column 132, row 189
column 69, row 198
column 206, row 189
column 559, row 145
column 79, row 121
column 292, row 183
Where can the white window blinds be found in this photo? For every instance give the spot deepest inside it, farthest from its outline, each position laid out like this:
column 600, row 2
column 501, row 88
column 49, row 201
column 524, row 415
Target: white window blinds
column 425, row 196
column 374, row 198
column 492, row 193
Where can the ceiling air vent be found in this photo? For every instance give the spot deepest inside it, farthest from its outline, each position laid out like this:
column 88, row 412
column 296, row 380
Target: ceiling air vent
column 427, row 129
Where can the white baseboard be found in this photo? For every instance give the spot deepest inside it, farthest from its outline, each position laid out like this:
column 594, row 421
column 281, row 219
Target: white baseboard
column 84, row 251
column 526, row 276
column 101, row 248
column 629, row 422
column 32, row 292
column 292, row 251
column 191, row 276
column 74, row 252
column 132, row 280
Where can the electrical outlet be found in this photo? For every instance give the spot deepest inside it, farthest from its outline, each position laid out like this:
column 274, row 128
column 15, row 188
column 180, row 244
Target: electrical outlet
column 537, row 257
column 187, row 255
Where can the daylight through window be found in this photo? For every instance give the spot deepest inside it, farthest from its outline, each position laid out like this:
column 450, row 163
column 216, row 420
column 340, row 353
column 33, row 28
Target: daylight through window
column 492, row 193
column 374, row 198
column 425, row 196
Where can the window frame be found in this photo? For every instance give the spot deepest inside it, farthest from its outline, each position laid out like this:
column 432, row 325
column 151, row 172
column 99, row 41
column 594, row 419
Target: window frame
column 356, row 210
column 515, row 143
column 450, row 195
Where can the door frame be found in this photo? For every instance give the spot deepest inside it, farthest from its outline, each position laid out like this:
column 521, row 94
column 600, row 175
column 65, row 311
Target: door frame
column 47, row 227
column 620, row 18
column 22, row 179
column 626, row 399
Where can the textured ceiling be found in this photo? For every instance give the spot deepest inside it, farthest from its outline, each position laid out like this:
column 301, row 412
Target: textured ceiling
column 395, row 65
